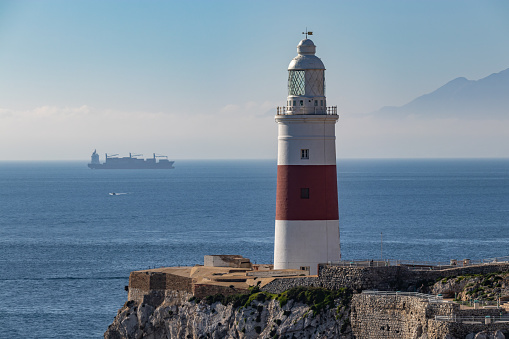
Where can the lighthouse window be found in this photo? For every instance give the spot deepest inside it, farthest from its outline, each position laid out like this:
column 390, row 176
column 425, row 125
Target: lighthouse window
column 304, row 193
column 321, row 102
column 296, row 83
column 294, row 103
column 302, row 102
column 316, row 102
column 304, row 153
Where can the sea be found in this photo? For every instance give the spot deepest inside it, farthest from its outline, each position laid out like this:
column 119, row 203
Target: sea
column 67, row 245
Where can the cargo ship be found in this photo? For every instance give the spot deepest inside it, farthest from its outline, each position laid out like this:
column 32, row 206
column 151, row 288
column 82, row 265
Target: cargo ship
column 130, row 162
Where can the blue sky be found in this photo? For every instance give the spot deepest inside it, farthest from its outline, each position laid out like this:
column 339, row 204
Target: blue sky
column 201, row 79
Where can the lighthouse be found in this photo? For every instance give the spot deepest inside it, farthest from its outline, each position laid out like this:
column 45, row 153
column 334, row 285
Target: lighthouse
column 307, row 218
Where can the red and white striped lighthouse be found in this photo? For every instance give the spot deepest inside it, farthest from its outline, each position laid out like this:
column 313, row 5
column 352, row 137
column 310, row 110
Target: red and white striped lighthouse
column 307, row 219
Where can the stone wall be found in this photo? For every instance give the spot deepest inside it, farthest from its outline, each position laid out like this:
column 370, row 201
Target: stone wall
column 203, row 290
column 143, row 282
column 334, row 277
column 385, row 278
column 393, row 316
column 439, row 329
column 361, row 278
column 376, row 316
column 280, row 285
column 146, row 280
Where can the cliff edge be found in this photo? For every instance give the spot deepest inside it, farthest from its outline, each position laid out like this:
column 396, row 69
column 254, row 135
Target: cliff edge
column 298, row 313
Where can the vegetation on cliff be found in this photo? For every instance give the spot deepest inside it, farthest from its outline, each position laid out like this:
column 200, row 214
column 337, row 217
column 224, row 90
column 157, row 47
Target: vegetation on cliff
column 316, row 298
column 300, row 312
column 486, row 287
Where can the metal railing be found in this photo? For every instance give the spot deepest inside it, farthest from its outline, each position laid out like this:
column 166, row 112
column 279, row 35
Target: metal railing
column 426, row 265
column 474, row 319
column 418, row 265
column 480, row 303
column 430, row 297
column 296, row 110
column 361, row 263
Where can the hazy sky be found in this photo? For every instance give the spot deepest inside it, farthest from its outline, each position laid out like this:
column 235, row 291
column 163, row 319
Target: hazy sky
column 201, row 79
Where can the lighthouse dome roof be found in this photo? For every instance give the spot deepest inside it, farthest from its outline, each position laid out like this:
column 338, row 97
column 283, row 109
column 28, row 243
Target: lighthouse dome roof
column 306, row 58
column 306, row 46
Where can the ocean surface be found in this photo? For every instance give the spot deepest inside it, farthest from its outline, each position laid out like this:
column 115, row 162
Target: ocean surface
column 67, row 246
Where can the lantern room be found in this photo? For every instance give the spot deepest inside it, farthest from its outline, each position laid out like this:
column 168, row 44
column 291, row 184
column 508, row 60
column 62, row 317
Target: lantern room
column 306, row 82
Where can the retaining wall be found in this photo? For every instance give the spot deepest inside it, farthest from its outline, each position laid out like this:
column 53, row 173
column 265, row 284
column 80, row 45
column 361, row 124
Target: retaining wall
column 408, row 317
column 385, row 278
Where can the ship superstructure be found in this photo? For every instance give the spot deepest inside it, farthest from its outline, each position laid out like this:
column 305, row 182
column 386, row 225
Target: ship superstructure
column 113, row 161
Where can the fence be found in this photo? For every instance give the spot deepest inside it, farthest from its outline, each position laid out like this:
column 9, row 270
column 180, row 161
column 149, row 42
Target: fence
column 474, row 319
column 430, row 297
column 418, row 265
column 384, row 263
column 479, row 303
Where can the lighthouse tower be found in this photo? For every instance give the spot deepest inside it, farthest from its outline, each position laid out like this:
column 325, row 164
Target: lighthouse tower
column 307, row 225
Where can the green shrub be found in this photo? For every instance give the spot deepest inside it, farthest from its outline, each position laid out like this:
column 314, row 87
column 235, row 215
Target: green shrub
column 259, row 296
column 317, row 298
column 258, row 329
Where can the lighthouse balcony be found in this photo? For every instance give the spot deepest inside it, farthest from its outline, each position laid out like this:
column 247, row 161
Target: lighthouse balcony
column 293, row 110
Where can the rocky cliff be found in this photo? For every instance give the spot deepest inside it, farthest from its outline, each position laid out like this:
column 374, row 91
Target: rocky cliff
column 302, row 313
column 320, row 307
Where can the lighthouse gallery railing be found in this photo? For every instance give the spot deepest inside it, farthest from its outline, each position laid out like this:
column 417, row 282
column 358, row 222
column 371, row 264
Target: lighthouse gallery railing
column 289, row 110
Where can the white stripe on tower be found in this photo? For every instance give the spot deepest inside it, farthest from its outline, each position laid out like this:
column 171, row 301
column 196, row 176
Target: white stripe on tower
column 307, row 221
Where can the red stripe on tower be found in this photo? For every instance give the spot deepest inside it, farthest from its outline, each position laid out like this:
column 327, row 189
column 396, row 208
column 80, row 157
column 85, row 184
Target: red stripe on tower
column 320, row 184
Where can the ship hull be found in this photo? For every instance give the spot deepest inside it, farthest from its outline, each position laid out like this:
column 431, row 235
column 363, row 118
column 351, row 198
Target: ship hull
column 159, row 165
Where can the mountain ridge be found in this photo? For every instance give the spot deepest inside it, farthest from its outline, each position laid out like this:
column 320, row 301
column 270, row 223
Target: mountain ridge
column 487, row 97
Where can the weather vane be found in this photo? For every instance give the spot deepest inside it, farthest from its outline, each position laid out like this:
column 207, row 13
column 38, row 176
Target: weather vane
column 307, row 33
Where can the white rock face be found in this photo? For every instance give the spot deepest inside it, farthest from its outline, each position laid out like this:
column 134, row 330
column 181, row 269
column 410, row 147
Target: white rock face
column 174, row 316
column 199, row 320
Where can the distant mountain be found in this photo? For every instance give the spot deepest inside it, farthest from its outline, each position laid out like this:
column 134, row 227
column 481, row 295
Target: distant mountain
column 484, row 98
